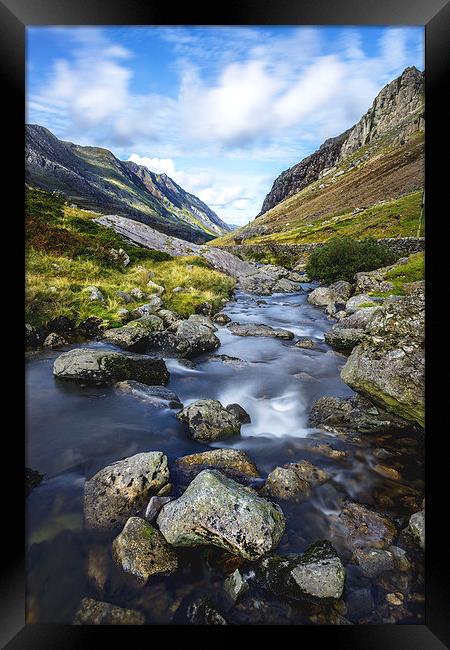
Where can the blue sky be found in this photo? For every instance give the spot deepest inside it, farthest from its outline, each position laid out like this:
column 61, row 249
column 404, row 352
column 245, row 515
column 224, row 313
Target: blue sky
column 222, row 110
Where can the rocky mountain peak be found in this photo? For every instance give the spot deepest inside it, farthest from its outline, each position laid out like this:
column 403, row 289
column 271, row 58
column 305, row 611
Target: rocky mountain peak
column 397, row 111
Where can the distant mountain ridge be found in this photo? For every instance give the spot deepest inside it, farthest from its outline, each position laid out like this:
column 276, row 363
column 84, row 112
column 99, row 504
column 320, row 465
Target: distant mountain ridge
column 94, row 178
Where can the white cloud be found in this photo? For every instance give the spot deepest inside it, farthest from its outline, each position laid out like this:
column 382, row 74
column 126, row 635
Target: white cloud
column 157, row 165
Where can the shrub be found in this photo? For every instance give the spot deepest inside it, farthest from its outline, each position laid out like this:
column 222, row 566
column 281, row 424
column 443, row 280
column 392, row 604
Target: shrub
column 341, row 257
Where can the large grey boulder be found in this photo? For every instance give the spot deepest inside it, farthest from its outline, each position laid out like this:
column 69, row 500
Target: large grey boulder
column 342, row 289
column 208, row 420
column 316, row 575
column 122, row 490
column 127, row 337
column 368, row 281
column 388, row 366
column 354, row 414
column 250, row 329
column 96, row 612
column 325, row 297
column 216, row 510
column 98, row 365
column 284, row 483
column 54, row 340
column 186, row 338
column 142, row 551
column 157, row 396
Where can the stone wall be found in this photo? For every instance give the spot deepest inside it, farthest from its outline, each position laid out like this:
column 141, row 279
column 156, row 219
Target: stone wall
column 401, row 246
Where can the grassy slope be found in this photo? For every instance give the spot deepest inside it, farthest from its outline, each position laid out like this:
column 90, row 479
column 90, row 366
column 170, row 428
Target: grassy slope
column 412, row 271
column 67, row 251
column 386, row 188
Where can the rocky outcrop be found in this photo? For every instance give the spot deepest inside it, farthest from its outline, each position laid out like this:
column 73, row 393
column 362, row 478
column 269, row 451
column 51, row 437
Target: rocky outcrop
column 397, row 107
column 141, row 551
column 316, row 575
column 388, row 366
column 121, row 490
column 91, row 365
column 216, row 510
column 208, row 420
column 96, row 612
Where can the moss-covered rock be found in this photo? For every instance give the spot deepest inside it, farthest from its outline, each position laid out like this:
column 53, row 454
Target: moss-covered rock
column 219, row 511
column 388, row 366
column 208, row 420
column 142, row 551
column 103, row 366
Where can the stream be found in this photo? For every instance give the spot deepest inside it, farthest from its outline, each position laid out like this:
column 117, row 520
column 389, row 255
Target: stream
column 75, row 430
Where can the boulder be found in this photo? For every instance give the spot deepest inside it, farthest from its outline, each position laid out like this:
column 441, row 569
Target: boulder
column 101, row 366
column 124, row 315
column 201, row 319
column 154, row 506
column 309, row 473
column 342, row 289
column 142, row 551
column 250, row 329
column 155, row 288
column 354, row 414
column 138, row 294
column 361, row 301
column 95, row 294
column 221, row 319
column 96, row 612
column 344, row 340
column 416, row 527
column 361, row 527
column 122, row 490
column 208, row 420
column 151, row 307
column 284, row 483
column 374, row 561
column 216, row 510
column 323, row 297
column 149, row 324
column 316, row 575
column 158, row 396
column 54, row 340
column 376, row 281
column 127, row 337
column 168, row 317
column 231, row 462
column 388, row 366
column 239, row 413
column 186, row 338
column 124, row 297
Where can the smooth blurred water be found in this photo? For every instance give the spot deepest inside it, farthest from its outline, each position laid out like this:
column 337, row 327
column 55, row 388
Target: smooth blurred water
column 73, row 431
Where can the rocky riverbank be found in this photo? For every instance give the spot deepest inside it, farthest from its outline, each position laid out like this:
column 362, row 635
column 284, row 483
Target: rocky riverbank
column 216, row 536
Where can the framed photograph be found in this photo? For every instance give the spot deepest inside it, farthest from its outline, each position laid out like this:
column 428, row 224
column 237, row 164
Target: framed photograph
column 226, row 215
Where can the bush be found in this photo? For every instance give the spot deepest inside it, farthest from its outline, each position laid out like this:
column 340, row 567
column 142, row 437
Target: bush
column 341, row 257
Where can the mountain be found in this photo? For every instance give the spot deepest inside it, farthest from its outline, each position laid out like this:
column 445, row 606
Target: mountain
column 95, row 179
column 366, row 180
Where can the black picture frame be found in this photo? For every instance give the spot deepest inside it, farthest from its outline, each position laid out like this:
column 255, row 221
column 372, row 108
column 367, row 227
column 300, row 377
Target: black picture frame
column 15, row 16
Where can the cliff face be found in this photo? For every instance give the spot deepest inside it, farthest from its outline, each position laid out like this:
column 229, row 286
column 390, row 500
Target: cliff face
column 94, row 178
column 397, row 111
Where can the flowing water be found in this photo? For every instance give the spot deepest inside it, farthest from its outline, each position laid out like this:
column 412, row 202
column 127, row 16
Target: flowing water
column 73, row 431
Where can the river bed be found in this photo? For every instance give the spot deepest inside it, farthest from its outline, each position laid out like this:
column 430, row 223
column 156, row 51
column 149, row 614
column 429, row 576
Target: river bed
column 73, row 431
